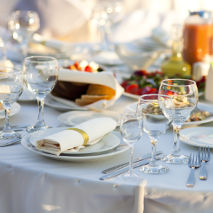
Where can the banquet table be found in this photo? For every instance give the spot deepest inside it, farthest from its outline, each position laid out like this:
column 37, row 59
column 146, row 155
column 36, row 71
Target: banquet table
column 33, row 183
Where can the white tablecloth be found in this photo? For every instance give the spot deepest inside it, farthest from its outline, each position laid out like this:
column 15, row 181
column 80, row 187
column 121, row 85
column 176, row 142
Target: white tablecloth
column 32, row 183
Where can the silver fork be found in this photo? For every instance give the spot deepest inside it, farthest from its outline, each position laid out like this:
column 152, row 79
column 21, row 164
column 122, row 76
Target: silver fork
column 193, row 163
column 204, row 157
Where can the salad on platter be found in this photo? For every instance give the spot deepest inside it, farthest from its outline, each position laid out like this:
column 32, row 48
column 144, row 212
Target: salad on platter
column 142, row 82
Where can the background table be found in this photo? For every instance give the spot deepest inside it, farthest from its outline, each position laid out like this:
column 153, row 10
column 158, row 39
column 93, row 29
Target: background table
column 32, row 183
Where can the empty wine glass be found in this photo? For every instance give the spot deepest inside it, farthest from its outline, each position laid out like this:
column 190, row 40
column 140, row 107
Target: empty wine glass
column 40, row 74
column 105, row 13
column 22, row 24
column 154, row 123
column 178, row 97
column 130, row 132
column 11, row 86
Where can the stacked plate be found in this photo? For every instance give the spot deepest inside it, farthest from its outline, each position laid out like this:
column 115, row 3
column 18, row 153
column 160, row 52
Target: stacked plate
column 197, row 136
column 108, row 146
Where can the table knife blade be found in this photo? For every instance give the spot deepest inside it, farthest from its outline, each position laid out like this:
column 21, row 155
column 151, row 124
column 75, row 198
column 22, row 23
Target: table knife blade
column 122, row 165
column 123, row 170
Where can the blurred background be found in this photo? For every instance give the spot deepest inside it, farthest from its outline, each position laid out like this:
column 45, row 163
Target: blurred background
column 81, row 20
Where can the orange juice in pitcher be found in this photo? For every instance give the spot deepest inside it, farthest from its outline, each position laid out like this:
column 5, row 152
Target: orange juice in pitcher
column 198, row 37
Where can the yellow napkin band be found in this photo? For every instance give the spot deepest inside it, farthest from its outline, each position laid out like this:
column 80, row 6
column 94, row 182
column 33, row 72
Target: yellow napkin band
column 83, row 133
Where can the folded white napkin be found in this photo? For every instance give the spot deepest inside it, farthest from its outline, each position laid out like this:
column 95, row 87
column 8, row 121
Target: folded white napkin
column 86, row 133
column 102, row 78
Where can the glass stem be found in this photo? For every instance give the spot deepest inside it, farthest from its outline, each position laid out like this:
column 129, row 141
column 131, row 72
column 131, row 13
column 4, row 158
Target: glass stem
column 24, row 46
column 40, row 119
column 131, row 160
column 24, row 49
column 153, row 142
column 176, row 129
column 7, row 108
column 105, row 35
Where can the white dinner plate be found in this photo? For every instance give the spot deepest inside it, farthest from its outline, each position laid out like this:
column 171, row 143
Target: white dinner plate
column 197, row 136
column 201, row 106
column 15, row 108
column 103, row 144
column 76, row 117
column 84, row 157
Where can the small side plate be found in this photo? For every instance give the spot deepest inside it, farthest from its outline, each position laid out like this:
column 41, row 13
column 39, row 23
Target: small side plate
column 197, row 136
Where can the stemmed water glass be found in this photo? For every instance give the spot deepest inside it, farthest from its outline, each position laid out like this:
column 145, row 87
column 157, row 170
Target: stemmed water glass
column 40, row 74
column 11, row 86
column 178, row 98
column 130, row 132
column 22, row 24
column 105, row 13
column 154, row 123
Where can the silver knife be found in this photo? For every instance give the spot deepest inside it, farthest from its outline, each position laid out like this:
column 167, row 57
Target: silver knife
column 122, row 165
column 123, row 170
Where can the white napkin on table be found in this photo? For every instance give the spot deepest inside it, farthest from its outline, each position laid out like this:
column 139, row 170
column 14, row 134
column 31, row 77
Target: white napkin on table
column 67, row 139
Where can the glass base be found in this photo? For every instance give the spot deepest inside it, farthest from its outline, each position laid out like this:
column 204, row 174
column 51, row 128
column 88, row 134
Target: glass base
column 9, row 138
column 32, row 129
column 127, row 177
column 154, row 169
column 175, row 159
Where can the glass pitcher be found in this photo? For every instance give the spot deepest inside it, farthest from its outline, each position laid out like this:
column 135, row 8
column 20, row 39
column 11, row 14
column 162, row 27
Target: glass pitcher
column 198, row 36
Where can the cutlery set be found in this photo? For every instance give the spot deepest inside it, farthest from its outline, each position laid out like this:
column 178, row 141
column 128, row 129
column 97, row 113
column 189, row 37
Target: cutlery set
column 123, row 167
column 196, row 161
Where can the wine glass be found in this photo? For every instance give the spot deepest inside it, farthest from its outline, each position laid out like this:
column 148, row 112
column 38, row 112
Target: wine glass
column 130, row 132
column 22, row 24
column 11, row 86
column 154, row 123
column 40, row 74
column 105, row 13
column 178, row 98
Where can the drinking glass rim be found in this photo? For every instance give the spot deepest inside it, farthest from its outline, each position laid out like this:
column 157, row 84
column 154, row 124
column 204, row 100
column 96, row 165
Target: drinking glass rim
column 33, row 59
column 178, row 79
column 149, row 95
column 24, row 11
column 157, row 99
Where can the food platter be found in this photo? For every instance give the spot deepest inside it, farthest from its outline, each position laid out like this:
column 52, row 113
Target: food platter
column 148, row 82
column 201, row 106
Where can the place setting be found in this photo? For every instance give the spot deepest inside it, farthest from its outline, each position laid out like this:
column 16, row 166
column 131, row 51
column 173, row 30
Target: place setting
column 87, row 141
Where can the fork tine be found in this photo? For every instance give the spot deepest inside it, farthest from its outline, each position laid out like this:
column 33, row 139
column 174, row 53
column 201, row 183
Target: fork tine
column 190, row 159
column 197, row 160
column 205, row 154
column 198, row 154
column 208, row 153
column 202, row 153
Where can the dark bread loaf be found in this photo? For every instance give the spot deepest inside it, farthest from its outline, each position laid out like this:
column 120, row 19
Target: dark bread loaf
column 69, row 90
